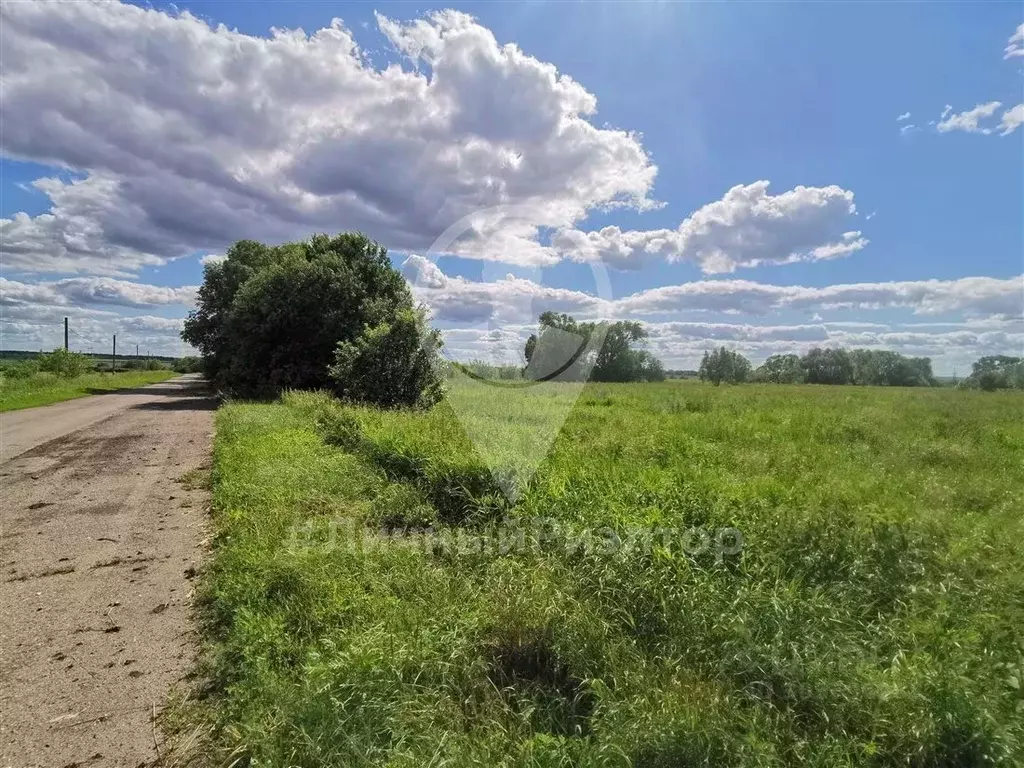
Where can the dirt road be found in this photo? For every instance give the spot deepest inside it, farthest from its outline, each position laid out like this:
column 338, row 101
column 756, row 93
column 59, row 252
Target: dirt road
column 99, row 541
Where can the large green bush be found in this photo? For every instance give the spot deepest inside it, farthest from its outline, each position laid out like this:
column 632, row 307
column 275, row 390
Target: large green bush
column 187, row 365
column 270, row 318
column 390, row 364
column 19, row 369
column 64, row 363
column 149, row 364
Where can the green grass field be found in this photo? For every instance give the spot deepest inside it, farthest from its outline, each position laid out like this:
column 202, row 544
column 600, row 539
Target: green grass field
column 875, row 615
column 46, row 388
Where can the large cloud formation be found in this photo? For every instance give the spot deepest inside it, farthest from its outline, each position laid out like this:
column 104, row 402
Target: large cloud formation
column 520, row 300
column 747, row 227
column 210, row 135
column 80, row 291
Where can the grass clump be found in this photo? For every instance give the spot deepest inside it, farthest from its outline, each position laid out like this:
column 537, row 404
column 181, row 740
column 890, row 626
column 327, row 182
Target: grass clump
column 873, row 616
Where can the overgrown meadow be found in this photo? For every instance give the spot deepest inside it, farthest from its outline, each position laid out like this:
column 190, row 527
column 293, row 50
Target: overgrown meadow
column 874, row 616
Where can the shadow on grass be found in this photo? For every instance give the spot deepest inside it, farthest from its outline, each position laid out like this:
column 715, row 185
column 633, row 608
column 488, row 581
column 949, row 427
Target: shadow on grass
column 532, row 679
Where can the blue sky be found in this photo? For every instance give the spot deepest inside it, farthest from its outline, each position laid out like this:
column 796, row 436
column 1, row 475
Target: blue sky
column 717, row 95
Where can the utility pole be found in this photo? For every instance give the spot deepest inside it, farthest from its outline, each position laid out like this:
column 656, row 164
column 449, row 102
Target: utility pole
column 136, row 351
column 65, row 334
column 113, row 356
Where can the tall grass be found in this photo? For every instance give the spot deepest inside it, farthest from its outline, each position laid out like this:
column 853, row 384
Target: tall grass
column 874, row 616
column 45, row 388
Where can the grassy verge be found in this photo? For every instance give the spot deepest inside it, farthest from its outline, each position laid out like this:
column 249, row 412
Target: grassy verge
column 45, row 388
column 874, row 616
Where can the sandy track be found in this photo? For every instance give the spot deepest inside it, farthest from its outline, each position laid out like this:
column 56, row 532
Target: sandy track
column 98, row 546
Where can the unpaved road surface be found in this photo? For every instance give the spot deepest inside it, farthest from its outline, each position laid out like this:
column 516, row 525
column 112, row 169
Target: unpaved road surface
column 99, row 540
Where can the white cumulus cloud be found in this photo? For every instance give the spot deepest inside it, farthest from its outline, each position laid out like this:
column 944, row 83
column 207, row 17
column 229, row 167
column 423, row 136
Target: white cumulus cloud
column 1012, row 119
column 454, row 299
column 747, row 227
column 420, row 271
column 968, row 121
column 983, row 296
column 220, row 135
column 1015, row 45
column 85, row 291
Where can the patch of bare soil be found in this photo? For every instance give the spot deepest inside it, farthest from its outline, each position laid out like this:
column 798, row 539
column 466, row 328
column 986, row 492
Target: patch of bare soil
column 99, row 542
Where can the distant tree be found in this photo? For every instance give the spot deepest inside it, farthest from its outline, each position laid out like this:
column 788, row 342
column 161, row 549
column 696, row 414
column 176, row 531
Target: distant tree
column 890, row 369
column 482, row 369
column 865, row 366
column 650, row 367
column 616, row 359
column 781, row 369
column 922, row 372
column 531, row 344
column 724, row 365
column 827, row 366
column 990, row 381
column 996, row 363
column 270, row 318
column 562, row 350
column 994, row 372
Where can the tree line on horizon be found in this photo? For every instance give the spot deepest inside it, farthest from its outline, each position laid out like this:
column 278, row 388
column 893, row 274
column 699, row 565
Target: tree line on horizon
column 864, row 367
column 332, row 313
column 565, row 349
